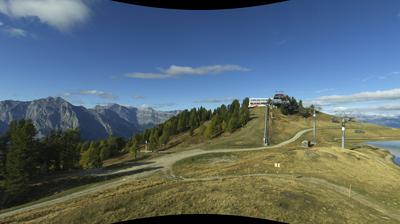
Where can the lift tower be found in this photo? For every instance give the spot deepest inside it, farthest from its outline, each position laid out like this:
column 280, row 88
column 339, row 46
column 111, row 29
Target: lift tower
column 314, row 127
column 345, row 116
column 315, row 109
column 343, row 132
column 266, row 128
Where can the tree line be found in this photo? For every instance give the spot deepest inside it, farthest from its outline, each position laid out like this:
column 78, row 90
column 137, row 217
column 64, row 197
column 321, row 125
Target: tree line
column 23, row 157
column 292, row 106
column 224, row 118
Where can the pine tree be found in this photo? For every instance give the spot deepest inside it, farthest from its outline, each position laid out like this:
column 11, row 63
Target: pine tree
column 234, row 107
column 193, row 120
column 153, row 141
column 166, row 133
column 222, row 111
column 244, row 112
column 94, row 160
column 3, row 154
column 213, row 128
column 203, row 114
column 183, row 121
column 105, row 150
column 115, row 144
column 22, row 160
column 49, row 158
column 233, row 123
column 135, row 145
column 69, row 155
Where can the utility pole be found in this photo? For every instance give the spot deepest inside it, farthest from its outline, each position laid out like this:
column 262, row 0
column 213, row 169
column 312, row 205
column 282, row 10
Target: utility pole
column 343, row 132
column 314, row 127
column 345, row 116
column 266, row 131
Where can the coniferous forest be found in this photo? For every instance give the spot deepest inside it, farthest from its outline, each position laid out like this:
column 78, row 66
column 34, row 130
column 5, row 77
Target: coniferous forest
column 23, row 157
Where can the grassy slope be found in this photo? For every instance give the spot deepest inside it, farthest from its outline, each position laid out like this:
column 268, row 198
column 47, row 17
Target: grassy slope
column 273, row 198
column 249, row 136
column 369, row 171
column 282, row 128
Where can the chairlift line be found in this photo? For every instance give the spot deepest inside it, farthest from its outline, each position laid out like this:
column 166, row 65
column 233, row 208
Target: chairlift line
column 345, row 117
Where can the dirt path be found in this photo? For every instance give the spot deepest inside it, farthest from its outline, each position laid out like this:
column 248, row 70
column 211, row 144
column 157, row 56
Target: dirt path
column 162, row 163
column 165, row 163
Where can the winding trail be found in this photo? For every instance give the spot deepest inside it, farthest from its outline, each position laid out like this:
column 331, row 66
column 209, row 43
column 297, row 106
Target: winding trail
column 162, row 163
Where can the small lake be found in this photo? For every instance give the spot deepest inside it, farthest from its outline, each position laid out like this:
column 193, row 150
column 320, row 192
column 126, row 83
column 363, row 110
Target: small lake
column 392, row 146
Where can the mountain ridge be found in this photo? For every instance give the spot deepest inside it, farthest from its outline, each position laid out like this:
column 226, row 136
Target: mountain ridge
column 388, row 121
column 56, row 113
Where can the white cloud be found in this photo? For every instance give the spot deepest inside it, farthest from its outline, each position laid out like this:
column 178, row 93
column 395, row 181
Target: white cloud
column 138, row 97
column 162, row 105
column 139, row 75
column 324, row 90
column 203, row 70
column 15, row 32
column 60, row 14
column 100, row 94
column 380, row 77
column 158, row 105
column 215, row 100
column 175, row 71
column 379, row 95
column 381, row 110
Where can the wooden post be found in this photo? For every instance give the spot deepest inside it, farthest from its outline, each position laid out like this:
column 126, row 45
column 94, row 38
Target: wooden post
column 350, row 191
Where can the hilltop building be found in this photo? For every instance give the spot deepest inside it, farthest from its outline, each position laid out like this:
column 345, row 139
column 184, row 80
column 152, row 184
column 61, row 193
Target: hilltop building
column 280, row 98
column 259, row 102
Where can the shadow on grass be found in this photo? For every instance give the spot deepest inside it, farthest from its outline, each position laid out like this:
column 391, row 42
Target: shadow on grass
column 123, row 165
column 55, row 186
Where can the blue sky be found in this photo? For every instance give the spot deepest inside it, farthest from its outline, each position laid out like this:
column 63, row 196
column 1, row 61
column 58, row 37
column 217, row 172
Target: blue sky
column 341, row 55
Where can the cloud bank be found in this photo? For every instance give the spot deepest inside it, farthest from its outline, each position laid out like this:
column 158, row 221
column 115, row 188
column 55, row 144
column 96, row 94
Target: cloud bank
column 15, row 32
column 100, row 94
column 60, row 14
column 215, row 100
column 175, row 71
column 379, row 95
column 138, row 97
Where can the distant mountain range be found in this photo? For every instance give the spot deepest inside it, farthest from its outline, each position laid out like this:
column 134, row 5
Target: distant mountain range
column 389, row 121
column 55, row 113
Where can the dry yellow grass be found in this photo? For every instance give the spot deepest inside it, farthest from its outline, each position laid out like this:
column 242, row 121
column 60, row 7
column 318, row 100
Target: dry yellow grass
column 370, row 172
column 309, row 187
column 282, row 128
column 271, row 198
